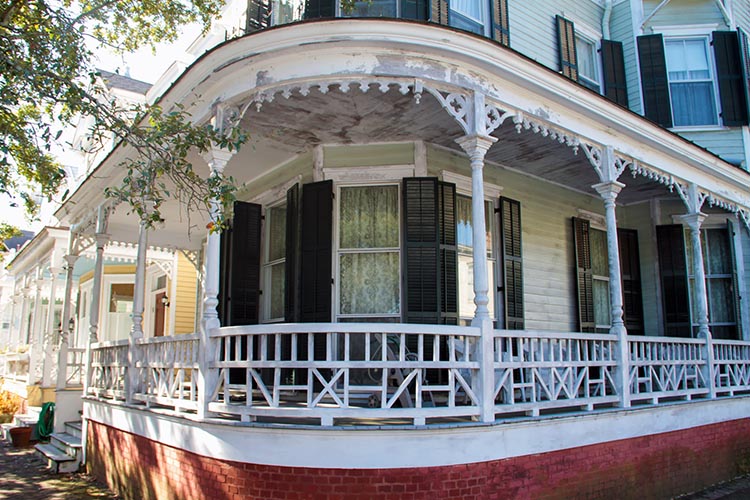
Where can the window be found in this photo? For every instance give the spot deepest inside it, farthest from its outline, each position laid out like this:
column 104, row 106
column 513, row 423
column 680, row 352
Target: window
column 468, row 15
column 369, row 8
column 719, row 269
column 464, row 239
column 588, row 63
column 600, row 276
column 691, row 83
column 274, row 264
column 369, row 251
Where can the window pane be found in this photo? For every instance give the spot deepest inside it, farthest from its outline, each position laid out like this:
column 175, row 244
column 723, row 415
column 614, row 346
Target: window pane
column 601, row 302
column 721, row 300
column 719, row 256
column 469, row 8
column 276, row 281
column 276, row 217
column 464, row 232
column 690, row 82
column 369, row 217
column 287, row 11
column 599, row 254
column 466, row 305
column 586, row 52
column 693, row 104
column 370, row 8
column 370, row 283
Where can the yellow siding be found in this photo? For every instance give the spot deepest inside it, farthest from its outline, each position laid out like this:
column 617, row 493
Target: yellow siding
column 185, row 300
column 115, row 269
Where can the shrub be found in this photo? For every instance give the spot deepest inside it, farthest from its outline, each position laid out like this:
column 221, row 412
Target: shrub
column 9, row 403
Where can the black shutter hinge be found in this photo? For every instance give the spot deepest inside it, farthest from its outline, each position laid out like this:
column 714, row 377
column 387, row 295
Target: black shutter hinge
column 260, row 292
column 499, row 289
column 262, row 217
column 497, row 210
column 333, row 281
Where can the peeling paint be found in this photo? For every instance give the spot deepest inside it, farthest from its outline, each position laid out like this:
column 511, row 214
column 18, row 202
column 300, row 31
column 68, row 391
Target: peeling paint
column 262, row 78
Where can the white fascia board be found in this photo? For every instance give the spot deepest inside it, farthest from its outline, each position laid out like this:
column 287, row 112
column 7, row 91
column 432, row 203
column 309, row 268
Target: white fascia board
column 394, row 448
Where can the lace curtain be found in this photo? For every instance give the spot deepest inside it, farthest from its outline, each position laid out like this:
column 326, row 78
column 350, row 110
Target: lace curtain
column 691, row 85
column 369, row 244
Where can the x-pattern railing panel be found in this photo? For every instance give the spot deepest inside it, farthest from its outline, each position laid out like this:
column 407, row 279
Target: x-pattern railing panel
column 535, row 371
column 168, row 367
column 664, row 367
column 732, row 366
column 347, row 371
column 109, row 369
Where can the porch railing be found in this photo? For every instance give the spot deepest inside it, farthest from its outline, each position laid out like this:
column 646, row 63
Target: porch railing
column 15, row 365
column 76, row 367
column 400, row 374
column 538, row 371
column 168, row 368
column 109, row 370
column 346, row 371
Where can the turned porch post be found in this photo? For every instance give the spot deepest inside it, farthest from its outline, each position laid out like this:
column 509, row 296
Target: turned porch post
column 476, row 144
column 35, row 328
column 62, row 353
column 49, row 329
column 217, row 160
column 693, row 220
column 136, row 331
column 605, row 164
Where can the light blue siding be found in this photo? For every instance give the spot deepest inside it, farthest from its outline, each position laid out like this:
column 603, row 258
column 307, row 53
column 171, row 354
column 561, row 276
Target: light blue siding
column 532, row 28
column 621, row 30
column 727, row 144
column 683, row 12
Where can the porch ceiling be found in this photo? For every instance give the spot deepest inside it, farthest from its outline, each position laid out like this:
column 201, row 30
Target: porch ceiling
column 296, row 124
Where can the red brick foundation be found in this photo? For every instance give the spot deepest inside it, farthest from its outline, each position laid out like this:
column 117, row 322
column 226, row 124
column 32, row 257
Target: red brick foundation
column 659, row 466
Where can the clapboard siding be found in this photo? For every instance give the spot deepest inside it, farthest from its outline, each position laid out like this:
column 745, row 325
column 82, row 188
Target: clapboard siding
column 684, row 12
column 725, row 143
column 533, row 31
column 185, row 302
column 621, row 30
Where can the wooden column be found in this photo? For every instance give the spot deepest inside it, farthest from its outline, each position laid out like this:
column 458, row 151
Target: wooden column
column 62, row 353
column 476, row 146
column 217, row 160
column 609, row 191
column 136, row 331
column 49, row 330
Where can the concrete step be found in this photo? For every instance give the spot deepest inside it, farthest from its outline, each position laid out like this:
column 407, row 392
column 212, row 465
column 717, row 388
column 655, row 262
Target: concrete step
column 58, row 461
column 70, row 445
column 74, row 428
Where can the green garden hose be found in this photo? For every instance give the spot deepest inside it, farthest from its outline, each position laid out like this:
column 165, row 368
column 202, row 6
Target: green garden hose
column 46, row 425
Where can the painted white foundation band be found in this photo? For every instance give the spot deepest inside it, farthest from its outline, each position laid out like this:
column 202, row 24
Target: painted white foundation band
column 421, row 447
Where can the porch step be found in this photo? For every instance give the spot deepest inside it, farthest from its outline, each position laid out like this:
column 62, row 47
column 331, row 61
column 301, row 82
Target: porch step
column 63, row 453
column 74, row 429
column 57, row 460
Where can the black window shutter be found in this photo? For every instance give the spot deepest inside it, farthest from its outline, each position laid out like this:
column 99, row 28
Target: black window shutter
column 584, row 275
column 224, row 275
column 291, row 267
column 736, row 296
column 448, row 254
column 613, row 65
column 656, row 104
column 439, row 12
column 421, row 254
column 566, row 40
column 316, row 252
column 244, row 258
column 674, row 280
column 415, row 9
column 630, row 268
column 745, row 52
column 258, row 15
column 730, row 78
column 319, row 8
column 510, row 236
column 500, row 21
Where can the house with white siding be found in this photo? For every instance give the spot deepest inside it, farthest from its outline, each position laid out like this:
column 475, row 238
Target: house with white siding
column 479, row 250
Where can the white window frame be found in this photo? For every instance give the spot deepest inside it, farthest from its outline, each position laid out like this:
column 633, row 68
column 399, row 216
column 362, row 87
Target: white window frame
column 686, row 32
column 485, row 23
column 266, row 265
column 597, row 79
column 337, row 251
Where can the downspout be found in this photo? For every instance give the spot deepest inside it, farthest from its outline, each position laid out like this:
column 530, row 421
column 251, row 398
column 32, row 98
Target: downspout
column 605, row 19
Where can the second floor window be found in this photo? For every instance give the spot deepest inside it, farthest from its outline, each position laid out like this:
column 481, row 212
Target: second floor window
column 468, row 15
column 691, row 84
column 588, row 63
